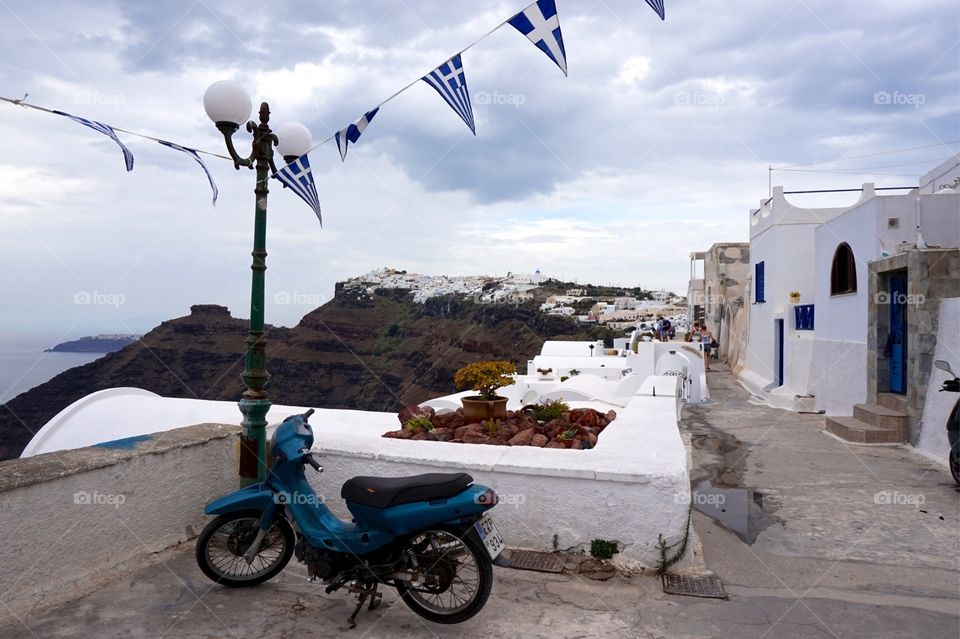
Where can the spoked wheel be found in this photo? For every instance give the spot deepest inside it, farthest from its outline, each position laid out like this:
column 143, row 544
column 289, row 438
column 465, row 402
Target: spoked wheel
column 455, row 577
column 222, row 544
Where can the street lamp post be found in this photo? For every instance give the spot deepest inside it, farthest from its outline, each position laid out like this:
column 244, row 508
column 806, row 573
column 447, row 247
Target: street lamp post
column 228, row 105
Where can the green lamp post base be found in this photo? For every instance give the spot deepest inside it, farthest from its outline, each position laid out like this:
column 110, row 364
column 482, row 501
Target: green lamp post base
column 253, row 440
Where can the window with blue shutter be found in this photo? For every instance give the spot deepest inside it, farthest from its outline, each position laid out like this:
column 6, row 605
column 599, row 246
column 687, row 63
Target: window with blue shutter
column 758, row 280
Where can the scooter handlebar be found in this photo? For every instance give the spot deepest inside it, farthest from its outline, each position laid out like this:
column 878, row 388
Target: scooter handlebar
column 307, row 414
column 309, row 459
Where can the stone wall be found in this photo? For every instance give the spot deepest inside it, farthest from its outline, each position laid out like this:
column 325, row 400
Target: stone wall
column 726, row 270
column 932, row 275
column 71, row 520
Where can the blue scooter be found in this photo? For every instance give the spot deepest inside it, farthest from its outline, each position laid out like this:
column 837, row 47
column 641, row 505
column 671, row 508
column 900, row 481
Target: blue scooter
column 429, row 536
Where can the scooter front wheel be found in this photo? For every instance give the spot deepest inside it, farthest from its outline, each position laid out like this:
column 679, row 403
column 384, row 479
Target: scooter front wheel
column 455, row 576
column 223, row 543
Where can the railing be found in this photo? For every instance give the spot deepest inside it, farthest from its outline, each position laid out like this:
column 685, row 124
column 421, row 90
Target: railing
column 803, row 313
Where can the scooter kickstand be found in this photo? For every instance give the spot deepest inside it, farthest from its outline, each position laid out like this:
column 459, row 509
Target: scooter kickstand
column 375, row 599
column 352, row 621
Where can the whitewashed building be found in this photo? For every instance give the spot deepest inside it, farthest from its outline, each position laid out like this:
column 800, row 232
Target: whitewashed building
column 810, row 351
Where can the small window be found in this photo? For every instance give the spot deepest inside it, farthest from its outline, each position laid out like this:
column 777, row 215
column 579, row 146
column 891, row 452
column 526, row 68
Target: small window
column 843, row 273
column 758, row 272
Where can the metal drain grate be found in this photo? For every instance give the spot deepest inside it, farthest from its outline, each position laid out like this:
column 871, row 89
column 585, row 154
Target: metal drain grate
column 694, row 586
column 539, row 561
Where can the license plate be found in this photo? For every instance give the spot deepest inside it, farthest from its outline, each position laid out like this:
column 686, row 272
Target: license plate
column 490, row 536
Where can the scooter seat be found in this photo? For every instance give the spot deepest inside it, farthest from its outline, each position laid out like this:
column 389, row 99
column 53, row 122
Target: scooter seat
column 383, row 492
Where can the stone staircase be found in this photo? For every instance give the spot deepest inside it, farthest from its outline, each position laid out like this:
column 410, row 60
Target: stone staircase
column 885, row 422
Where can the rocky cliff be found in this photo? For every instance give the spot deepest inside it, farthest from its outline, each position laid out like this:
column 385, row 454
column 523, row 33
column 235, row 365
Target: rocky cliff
column 373, row 351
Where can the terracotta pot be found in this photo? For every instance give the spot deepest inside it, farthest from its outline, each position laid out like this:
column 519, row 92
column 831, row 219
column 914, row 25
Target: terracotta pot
column 478, row 409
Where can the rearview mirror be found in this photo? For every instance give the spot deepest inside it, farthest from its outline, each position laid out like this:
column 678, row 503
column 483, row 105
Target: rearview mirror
column 943, row 365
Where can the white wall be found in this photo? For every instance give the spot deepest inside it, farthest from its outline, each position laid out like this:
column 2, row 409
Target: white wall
column 945, row 174
column 937, row 405
column 70, row 520
column 634, row 483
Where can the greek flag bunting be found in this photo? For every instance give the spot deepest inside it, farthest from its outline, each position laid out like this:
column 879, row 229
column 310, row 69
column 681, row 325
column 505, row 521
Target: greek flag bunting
column 107, row 130
column 351, row 134
column 298, row 176
column 657, row 5
column 450, row 82
column 196, row 156
column 541, row 24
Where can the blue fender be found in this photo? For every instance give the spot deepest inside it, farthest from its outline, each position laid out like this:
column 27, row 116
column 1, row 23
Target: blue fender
column 256, row 497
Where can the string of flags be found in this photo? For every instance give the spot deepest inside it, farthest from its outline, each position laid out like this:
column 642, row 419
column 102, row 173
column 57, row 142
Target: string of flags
column 539, row 22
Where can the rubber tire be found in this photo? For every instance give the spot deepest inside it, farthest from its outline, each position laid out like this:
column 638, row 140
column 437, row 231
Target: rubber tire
column 954, row 470
column 289, row 539
column 484, row 571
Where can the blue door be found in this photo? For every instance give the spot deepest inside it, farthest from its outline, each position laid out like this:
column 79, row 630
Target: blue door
column 778, row 327
column 898, row 334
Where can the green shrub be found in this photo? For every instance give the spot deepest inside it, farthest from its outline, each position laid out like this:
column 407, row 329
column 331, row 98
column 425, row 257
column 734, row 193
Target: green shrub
column 550, row 410
column 603, row 549
column 492, row 426
column 419, row 422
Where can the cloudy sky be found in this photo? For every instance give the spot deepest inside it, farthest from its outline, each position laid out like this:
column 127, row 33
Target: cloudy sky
column 656, row 145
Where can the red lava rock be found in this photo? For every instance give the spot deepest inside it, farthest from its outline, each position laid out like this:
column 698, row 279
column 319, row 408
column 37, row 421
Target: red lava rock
column 472, row 437
column 461, row 432
column 519, row 429
column 523, row 438
column 586, row 417
column 409, row 412
column 441, row 434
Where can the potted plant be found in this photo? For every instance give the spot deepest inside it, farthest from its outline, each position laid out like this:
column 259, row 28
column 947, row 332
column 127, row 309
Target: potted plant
column 794, row 297
column 545, row 373
column 484, row 378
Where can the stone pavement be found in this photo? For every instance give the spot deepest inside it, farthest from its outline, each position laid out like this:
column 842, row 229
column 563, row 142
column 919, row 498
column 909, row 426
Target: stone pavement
column 847, row 541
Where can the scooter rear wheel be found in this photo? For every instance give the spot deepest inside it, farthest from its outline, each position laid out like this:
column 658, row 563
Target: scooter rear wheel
column 221, row 545
column 459, row 576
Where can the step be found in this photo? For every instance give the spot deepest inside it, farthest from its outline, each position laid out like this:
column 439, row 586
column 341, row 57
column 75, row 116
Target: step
column 893, row 401
column 855, row 431
column 881, row 416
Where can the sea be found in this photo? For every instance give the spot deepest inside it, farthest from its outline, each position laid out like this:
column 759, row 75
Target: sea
column 24, row 364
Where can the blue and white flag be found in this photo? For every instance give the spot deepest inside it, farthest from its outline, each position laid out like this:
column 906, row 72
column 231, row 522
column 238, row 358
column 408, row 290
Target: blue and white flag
column 351, row 134
column 196, row 156
column 451, row 83
column 541, row 24
column 298, row 176
column 107, row 130
column 657, row 5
